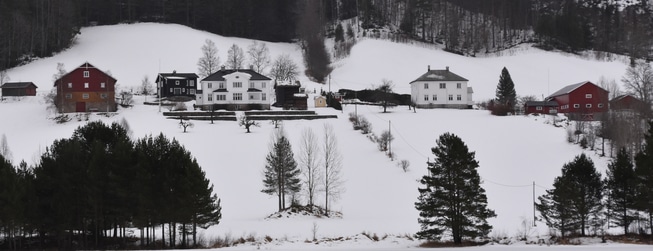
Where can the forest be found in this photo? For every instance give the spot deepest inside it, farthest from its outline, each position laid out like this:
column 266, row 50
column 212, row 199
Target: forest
column 38, row 28
column 91, row 191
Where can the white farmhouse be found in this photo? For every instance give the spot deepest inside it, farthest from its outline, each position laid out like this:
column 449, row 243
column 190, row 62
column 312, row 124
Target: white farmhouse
column 441, row 89
column 235, row 89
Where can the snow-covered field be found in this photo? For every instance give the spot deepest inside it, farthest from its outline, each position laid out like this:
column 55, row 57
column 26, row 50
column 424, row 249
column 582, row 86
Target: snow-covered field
column 513, row 152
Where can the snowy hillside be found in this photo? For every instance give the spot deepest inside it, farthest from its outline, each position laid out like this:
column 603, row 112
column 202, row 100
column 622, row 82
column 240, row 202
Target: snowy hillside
column 513, row 152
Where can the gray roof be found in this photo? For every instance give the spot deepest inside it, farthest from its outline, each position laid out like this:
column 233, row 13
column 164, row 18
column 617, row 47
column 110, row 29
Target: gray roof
column 17, row 85
column 570, row 88
column 219, row 75
column 439, row 75
column 181, row 75
column 541, row 103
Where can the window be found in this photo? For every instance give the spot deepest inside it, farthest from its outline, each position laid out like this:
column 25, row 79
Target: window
column 171, row 90
column 183, row 90
column 459, row 97
column 238, row 96
column 576, row 106
column 209, row 85
column 443, row 85
column 103, row 85
column 426, row 85
column 251, row 97
column 70, row 85
column 209, row 98
column 252, row 85
column 459, row 85
column 176, row 82
column 450, row 96
column 589, row 95
column 191, row 82
column 263, row 85
column 192, row 91
column 263, row 96
column 103, row 95
column 85, row 96
column 426, row 97
column 435, row 97
column 601, row 105
column 564, row 107
column 69, row 95
column 588, row 105
column 221, row 85
column 86, row 74
column 238, row 84
column 220, row 97
column 539, row 108
column 86, row 85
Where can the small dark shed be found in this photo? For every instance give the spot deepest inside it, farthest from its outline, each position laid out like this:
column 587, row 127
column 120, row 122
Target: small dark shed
column 18, row 89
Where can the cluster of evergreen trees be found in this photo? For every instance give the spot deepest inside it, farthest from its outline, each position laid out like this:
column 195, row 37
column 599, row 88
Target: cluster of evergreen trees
column 581, row 202
column 87, row 190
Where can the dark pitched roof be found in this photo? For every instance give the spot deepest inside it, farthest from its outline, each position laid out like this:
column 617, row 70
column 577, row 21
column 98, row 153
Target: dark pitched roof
column 440, row 75
column 85, row 65
column 570, row 88
column 253, row 90
column 541, row 103
column 620, row 97
column 17, row 85
column 177, row 75
column 219, row 75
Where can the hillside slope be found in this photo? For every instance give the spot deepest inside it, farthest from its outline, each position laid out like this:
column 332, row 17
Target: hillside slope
column 378, row 196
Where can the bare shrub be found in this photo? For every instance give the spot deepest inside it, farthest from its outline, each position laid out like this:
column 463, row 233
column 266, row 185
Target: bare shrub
column 404, row 165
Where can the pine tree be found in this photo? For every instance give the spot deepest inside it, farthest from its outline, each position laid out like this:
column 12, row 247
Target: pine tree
column 452, row 202
column 281, row 171
column 505, row 95
column 575, row 198
column 620, row 188
column 644, row 173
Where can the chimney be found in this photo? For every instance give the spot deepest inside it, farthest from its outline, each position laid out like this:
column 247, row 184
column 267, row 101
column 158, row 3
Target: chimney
column 174, row 72
column 222, row 67
column 447, row 68
column 428, row 69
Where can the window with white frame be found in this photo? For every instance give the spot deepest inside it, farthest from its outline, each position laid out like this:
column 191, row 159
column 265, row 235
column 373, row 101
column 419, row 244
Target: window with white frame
column 192, row 91
column 238, row 84
column 443, row 85
column 263, row 85
column 86, row 85
column 263, row 96
column 103, row 95
column 69, row 95
column 459, row 85
column 576, row 106
column 426, row 85
column 252, row 85
column 209, row 97
column 588, row 105
column 435, row 97
column 600, row 105
column 209, row 85
column 426, row 97
column 459, row 97
column 589, row 95
column 70, row 85
column 87, row 74
column 221, row 97
column 103, row 85
column 191, row 82
column 221, row 85
column 539, row 108
column 171, row 90
column 237, row 96
column 450, row 96
column 85, row 96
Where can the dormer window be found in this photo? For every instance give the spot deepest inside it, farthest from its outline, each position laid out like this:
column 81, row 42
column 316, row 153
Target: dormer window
column 86, row 74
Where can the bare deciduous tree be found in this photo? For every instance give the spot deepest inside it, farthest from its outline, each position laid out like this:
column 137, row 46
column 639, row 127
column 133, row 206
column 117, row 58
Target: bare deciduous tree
column 638, row 80
column 284, row 69
column 610, row 85
column 259, row 56
column 332, row 180
column 185, row 124
column 247, row 123
column 309, row 163
column 210, row 61
column 235, row 57
column 146, row 86
column 61, row 70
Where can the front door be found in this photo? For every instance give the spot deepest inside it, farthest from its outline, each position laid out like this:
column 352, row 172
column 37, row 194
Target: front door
column 177, row 91
column 80, row 107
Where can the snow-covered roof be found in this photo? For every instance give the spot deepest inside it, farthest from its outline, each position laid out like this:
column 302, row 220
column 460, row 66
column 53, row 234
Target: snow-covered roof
column 219, row 75
column 439, row 75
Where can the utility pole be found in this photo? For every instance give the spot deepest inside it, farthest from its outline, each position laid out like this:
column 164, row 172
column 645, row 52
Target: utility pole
column 389, row 139
column 534, row 218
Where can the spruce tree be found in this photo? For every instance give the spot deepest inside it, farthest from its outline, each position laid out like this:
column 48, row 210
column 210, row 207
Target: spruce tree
column 620, row 188
column 644, row 173
column 281, row 171
column 452, row 202
column 506, row 96
column 575, row 198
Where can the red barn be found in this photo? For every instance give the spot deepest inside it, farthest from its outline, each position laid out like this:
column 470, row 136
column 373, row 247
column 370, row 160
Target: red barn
column 627, row 102
column 86, row 89
column 541, row 107
column 581, row 101
column 18, row 89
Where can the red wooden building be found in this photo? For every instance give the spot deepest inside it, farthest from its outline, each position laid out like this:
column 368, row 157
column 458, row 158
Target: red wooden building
column 581, row 101
column 18, row 89
column 627, row 102
column 86, row 89
column 541, row 107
